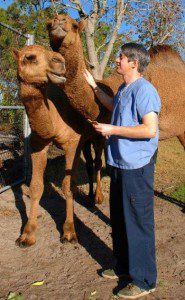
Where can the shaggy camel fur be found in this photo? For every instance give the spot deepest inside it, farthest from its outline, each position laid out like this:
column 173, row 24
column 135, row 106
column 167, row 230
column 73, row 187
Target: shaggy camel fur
column 51, row 120
column 166, row 71
column 65, row 39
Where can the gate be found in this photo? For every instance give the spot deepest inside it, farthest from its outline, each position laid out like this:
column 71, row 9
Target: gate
column 14, row 125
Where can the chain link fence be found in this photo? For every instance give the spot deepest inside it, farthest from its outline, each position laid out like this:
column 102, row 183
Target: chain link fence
column 14, row 126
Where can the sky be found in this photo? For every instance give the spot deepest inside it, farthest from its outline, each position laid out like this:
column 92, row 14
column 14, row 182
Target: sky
column 5, row 3
column 72, row 12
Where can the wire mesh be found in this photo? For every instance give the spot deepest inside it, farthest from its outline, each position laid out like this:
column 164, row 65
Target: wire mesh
column 13, row 121
column 11, row 146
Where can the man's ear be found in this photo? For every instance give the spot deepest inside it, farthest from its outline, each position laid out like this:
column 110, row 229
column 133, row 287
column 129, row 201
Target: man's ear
column 81, row 25
column 15, row 53
column 135, row 63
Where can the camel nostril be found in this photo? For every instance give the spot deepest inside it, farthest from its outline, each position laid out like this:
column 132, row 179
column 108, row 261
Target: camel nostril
column 49, row 25
column 63, row 67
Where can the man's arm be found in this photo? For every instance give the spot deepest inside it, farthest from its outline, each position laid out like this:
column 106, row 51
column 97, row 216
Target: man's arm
column 147, row 129
column 105, row 99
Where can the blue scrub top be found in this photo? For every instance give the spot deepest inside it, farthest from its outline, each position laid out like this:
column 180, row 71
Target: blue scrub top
column 131, row 103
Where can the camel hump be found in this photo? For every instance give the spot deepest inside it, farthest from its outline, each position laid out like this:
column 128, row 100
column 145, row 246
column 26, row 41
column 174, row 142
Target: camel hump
column 163, row 50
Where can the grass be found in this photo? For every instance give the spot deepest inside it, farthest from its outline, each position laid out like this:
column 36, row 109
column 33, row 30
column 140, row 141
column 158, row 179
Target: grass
column 179, row 194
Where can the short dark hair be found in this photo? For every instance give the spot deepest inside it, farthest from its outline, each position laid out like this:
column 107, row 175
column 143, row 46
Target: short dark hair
column 137, row 51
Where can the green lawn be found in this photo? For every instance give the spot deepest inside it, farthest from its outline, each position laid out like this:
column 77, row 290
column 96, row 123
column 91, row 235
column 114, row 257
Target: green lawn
column 179, row 194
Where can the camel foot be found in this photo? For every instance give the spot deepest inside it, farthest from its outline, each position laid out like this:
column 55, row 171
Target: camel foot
column 69, row 233
column 69, row 237
column 98, row 199
column 24, row 242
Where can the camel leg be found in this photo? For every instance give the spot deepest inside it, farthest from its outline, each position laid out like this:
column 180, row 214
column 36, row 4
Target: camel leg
column 39, row 160
column 164, row 135
column 181, row 138
column 89, row 166
column 98, row 143
column 72, row 154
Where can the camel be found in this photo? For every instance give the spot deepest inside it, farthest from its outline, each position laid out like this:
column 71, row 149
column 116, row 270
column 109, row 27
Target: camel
column 65, row 39
column 166, row 71
column 51, row 120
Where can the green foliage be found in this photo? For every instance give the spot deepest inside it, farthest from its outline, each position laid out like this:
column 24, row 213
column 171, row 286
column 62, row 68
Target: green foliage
column 27, row 17
column 160, row 22
column 179, row 194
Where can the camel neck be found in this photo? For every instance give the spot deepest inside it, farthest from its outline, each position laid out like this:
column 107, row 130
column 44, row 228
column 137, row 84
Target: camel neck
column 36, row 105
column 78, row 91
column 74, row 58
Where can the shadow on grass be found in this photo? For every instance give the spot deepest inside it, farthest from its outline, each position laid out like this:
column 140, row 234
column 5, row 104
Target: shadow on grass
column 170, row 199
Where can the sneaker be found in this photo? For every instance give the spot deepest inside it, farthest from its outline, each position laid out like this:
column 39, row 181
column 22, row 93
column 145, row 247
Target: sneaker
column 112, row 274
column 132, row 291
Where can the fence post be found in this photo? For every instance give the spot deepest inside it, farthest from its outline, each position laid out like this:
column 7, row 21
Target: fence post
column 27, row 130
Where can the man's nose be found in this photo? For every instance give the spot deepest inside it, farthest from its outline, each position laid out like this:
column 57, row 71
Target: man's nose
column 117, row 59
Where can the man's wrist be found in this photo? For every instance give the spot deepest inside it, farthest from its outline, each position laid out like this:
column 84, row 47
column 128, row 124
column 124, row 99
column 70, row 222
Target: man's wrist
column 119, row 130
column 95, row 87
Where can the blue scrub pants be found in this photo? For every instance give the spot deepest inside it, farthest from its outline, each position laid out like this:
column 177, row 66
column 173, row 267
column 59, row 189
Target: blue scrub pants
column 132, row 220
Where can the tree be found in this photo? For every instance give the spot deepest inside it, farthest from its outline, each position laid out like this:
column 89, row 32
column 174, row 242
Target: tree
column 151, row 22
column 103, row 20
column 160, row 22
column 27, row 17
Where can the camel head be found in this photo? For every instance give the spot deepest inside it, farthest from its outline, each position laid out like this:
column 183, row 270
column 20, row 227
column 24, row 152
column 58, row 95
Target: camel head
column 37, row 65
column 63, row 29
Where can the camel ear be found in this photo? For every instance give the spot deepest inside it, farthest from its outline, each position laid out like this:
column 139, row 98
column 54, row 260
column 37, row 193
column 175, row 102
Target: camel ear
column 15, row 53
column 81, row 25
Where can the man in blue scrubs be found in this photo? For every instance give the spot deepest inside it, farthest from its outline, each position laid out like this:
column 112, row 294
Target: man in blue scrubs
column 132, row 145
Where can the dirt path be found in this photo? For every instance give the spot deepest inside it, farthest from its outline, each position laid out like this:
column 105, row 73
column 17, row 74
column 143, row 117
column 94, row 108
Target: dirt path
column 70, row 271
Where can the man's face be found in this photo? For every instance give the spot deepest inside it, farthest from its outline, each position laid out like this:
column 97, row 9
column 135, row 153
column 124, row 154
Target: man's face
column 124, row 66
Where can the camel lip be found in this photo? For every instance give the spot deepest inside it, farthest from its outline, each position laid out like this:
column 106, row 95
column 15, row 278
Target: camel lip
column 58, row 31
column 58, row 78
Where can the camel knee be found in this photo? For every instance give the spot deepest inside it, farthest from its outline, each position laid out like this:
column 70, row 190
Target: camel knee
column 36, row 188
column 67, row 188
column 98, row 164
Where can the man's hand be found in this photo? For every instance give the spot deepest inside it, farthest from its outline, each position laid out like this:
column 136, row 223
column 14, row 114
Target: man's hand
column 105, row 99
column 90, row 79
column 103, row 129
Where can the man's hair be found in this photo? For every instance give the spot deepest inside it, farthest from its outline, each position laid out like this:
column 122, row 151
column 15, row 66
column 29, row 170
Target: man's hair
column 136, row 51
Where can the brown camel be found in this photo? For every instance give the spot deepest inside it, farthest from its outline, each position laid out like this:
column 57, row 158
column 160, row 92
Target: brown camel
column 51, row 120
column 65, row 39
column 166, row 71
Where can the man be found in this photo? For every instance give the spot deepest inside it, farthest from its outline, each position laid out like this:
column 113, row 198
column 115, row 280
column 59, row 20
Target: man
column 133, row 140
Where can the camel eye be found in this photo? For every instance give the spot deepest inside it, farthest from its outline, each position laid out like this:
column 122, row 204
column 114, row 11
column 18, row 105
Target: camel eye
column 57, row 60
column 75, row 26
column 30, row 58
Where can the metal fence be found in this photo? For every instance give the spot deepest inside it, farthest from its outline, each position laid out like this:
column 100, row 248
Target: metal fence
column 14, row 125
